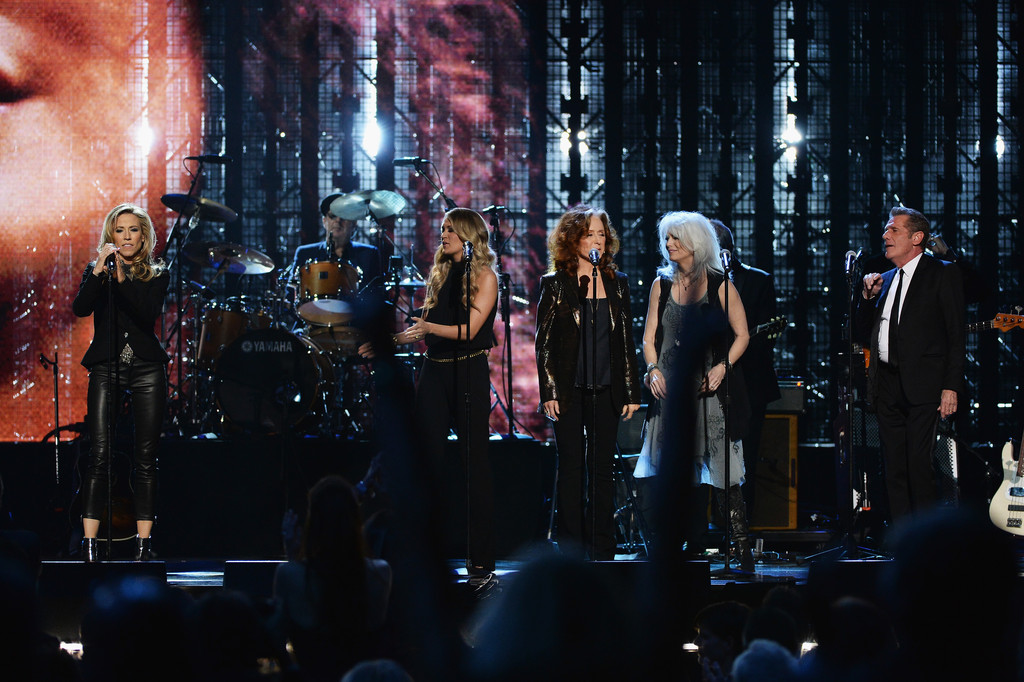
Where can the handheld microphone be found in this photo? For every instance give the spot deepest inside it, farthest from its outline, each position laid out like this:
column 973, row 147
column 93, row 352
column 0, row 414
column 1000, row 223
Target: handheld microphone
column 493, row 209
column 726, row 256
column 211, row 158
column 112, row 262
column 408, row 161
column 467, row 250
column 595, row 256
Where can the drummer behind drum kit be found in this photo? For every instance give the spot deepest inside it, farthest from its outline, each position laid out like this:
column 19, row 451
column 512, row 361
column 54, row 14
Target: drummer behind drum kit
column 255, row 372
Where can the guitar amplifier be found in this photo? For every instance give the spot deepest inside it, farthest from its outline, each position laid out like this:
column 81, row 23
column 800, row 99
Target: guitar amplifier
column 776, row 478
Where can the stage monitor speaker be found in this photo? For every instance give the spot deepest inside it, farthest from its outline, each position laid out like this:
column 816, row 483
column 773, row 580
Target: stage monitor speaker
column 776, row 477
column 65, row 588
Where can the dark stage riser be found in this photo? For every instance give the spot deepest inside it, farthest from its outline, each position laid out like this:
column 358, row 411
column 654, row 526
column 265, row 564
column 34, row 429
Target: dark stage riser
column 224, row 499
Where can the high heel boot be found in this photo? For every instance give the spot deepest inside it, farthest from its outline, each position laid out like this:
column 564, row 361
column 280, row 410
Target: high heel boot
column 90, row 551
column 144, row 549
column 737, row 525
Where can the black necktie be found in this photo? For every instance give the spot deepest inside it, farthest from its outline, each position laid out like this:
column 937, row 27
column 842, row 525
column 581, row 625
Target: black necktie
column 894, row 321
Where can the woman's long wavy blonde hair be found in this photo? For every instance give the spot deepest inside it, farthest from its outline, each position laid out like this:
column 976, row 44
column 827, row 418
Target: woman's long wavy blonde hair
column 469, row 226
column 564, row 240
column 142, row 267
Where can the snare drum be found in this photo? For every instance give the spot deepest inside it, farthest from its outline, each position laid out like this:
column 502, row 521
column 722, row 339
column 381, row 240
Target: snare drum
column 225, row 322
column 323, row 288
column 269, row 381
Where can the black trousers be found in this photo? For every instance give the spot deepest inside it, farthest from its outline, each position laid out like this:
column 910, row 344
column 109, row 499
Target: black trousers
column 146, row 383
column 585, row 489
column 907, row 433
column 441, row 404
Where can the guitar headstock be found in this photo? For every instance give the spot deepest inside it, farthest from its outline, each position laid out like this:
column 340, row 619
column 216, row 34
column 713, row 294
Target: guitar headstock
column 1005, row 322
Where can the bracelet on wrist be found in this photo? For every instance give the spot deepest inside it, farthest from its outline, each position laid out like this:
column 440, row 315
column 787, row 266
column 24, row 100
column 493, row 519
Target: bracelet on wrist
column 651, row 366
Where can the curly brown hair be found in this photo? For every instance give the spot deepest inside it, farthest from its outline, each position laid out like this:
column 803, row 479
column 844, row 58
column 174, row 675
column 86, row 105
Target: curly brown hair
column 564, row 240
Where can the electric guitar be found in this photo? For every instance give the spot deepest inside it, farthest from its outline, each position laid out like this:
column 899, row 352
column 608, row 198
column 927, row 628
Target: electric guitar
column 1007, row 507
column 1003, row 322
column 772, row 329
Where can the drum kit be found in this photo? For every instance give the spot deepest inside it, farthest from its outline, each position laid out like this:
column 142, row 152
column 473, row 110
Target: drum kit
column 285, row 360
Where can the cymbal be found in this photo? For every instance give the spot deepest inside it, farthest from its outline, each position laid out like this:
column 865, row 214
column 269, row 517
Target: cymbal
column 233, row 258
column 208, row 208
column 378, row 204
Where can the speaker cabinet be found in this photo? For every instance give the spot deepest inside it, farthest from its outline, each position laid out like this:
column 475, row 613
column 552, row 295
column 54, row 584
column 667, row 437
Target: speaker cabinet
column 776, row 477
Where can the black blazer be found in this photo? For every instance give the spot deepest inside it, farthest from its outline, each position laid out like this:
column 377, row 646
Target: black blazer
column 931, row 331
column 558, row 338
column 138, row 306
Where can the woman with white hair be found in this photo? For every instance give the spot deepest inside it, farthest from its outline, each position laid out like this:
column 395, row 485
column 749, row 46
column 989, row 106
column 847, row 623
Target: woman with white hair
column 688, row 297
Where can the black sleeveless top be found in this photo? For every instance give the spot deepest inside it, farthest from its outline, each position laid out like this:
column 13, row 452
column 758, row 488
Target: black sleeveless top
column 450, row 311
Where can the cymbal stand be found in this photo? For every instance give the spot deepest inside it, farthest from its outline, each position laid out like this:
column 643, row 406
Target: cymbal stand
column 504, row 307
column 174, row 264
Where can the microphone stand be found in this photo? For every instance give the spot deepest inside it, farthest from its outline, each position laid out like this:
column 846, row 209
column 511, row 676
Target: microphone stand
column 113, row 389
column 437, row 188
column 47, row 363
column 467, row 259
column 727, row 570
column 504, row 291
column 591, row 432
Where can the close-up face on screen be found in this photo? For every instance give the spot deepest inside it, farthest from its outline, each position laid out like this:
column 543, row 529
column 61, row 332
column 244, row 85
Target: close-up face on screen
column 86, row 115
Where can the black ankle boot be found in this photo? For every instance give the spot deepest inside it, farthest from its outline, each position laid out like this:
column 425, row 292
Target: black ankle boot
column 144, row 549
column 90, row 552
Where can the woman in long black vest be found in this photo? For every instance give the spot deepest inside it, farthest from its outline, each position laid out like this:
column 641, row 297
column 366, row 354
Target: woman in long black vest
column 568, row 315
column 125, row 356
column 458, row 327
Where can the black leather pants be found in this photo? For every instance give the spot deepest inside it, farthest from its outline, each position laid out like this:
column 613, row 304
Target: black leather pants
column 146, row 382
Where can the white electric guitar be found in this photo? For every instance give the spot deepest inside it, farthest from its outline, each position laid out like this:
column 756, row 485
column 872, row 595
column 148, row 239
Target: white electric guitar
column 1007, row 507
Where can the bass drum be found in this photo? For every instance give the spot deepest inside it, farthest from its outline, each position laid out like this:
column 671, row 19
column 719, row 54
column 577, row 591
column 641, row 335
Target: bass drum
column 272, row 381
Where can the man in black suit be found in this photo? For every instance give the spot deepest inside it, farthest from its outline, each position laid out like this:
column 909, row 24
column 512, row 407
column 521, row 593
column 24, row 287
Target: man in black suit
column 757, row 292
column 912, row 319
column 363, row 257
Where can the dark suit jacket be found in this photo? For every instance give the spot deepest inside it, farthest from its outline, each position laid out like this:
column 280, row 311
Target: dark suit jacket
column 363, row 257
column 558, row 338
column 138, row 306
column 757, row 292
column 931, row 331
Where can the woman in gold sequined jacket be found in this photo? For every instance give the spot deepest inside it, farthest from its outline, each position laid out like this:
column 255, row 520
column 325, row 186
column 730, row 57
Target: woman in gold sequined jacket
column 581, row 393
